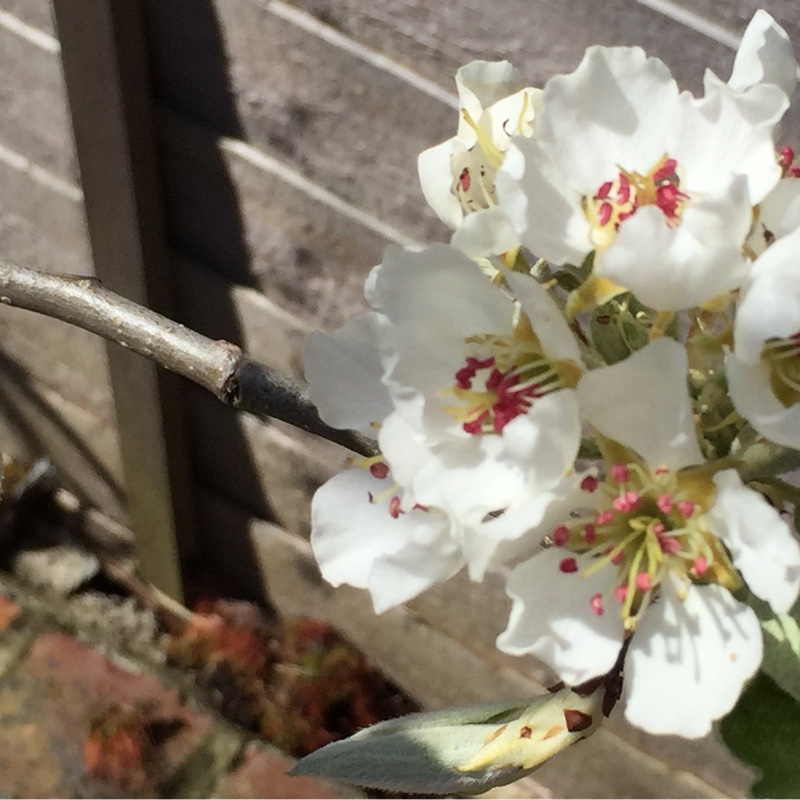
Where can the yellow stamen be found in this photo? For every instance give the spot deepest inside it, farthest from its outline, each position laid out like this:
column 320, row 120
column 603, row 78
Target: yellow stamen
column 526, row 101
column 492, row 152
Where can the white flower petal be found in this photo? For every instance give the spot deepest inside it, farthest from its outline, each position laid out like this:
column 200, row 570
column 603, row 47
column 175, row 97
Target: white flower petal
column 689, row 660
column 546, row 318
column 761, row 542
column 478, row 552
column 467, row 477
column 344, row 372
column 552, row 618
column 727, row 133
column 617, row 107
column 519, row 531
column 752, row 395
column 403, row 444
column 349, row 532
column 643, row 402
column 543, row 209
column 400, row 577
column 765, row 55
column 673, row 268
column 545, row 441
column 770, row 308
column 514, row 115
column 480, row 85
column 360, row 543
column 484, row 233
column 778, row 215
column 435, row 299
column 436, row 180
column 473, row 476
column 760, row 105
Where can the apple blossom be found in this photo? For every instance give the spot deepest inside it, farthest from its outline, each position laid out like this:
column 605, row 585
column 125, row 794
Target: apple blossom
column 475, row 412
column 659, row 185
column 457, row 176
column 486, row 383
column 614, row 465
column 652, row 552
column 362, row 536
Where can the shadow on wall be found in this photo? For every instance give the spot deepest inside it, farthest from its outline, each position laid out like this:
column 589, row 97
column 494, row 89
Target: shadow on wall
column 195, row 104
column 39, row 428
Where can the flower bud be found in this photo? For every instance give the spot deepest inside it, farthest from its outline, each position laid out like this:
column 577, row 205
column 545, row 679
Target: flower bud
column 469, row 749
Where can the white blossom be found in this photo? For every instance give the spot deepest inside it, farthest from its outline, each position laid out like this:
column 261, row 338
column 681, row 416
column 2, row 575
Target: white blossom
column 486, row 383
column 651, row 552
column 362, row 536
column 458, row 175
column 659, row 185
column 475, row 413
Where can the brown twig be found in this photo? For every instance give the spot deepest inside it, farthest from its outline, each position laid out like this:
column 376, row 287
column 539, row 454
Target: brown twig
column 218, row 366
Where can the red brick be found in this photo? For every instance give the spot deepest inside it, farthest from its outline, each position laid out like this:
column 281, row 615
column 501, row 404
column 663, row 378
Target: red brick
column 262, row 773
column 47, row 705
column 8, row 612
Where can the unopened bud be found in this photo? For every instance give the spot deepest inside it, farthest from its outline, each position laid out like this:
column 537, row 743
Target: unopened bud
column 460, row 749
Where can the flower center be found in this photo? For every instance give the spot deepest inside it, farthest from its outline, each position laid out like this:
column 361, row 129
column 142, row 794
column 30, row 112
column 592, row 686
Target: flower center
column 473, row 180
column 782, row 357
column 648, row 526
column 502, row 376
column 618, row 199
column 474, row 170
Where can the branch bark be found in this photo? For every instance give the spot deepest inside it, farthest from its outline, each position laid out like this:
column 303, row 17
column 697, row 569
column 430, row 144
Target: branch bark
column 219, row 366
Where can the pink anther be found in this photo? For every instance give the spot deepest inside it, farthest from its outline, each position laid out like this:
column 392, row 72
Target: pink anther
column 589, row 483
column 619, row 473
column 379, row 470
column 394, row 507
column 686, row 508
column 665, row 503
column 560, row 536
column 700, row 565
column 596, row 603
column 669, row 545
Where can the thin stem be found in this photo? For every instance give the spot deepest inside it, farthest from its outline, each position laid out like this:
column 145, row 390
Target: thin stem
column 218, row 366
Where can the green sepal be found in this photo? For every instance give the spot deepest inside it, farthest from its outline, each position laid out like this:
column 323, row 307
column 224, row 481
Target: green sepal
column 622, row 326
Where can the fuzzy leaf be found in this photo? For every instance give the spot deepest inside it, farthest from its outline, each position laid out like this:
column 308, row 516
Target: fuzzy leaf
column 781, row 644
column 782, row 653
column 763, row 730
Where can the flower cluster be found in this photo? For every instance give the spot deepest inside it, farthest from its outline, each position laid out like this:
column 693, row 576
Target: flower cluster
column 595, row 387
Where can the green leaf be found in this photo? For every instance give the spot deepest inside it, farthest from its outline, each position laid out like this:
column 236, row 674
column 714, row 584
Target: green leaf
column 781, row 644
column 764, row 731
column 782, row 653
